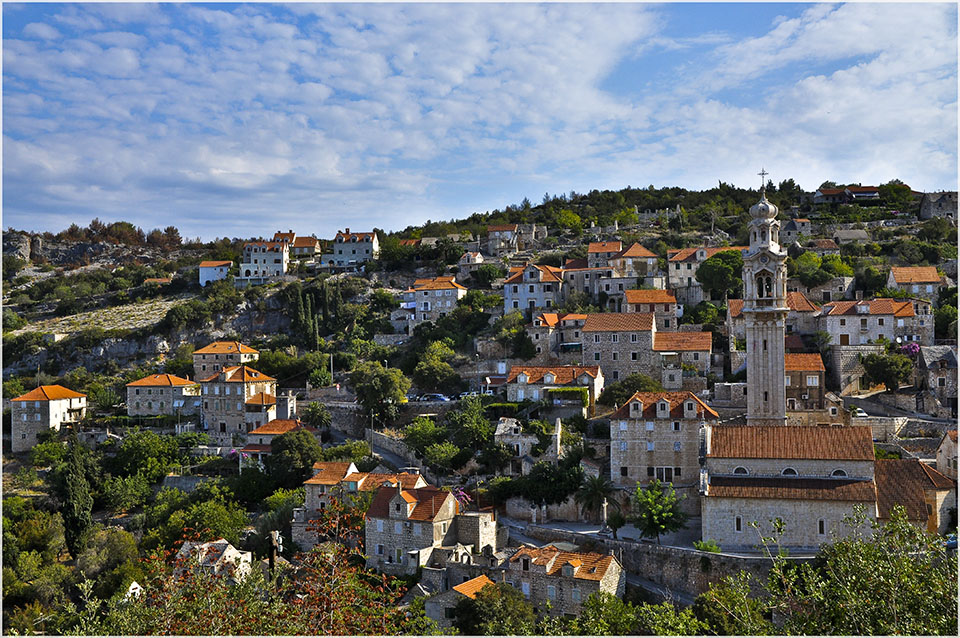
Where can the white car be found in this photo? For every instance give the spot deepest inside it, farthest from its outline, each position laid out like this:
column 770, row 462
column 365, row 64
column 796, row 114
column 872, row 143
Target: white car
column 858, row 412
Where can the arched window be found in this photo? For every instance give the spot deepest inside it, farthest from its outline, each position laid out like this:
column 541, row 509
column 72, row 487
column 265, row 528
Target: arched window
column 838, row 473
column 768, row 291
column 789, row 471
column 759, row 286
column 740, row 470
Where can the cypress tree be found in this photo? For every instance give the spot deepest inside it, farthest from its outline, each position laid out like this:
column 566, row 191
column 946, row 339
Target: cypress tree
column 78, row 504
column 325, row 301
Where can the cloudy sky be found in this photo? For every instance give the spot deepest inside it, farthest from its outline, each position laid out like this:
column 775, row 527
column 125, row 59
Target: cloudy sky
column 238, row 120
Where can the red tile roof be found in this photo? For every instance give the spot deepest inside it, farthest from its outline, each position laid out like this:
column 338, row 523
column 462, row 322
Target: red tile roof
column 550, row 274
column 836, row 443
column 552, row 319
column 650, row 296
column 604, row 247
column 410, row 242
column 164, row 380
column 619, row 322
column 588, row 566
column 472, row 586
column 329, row 472
column 158, row 280
column 915, row 274
column 370, row 481
column 881, row 306
column 564, row 374
column 287, row 237
column 49, row 393
column 676, row 400
column 226, row 347
column 280, row 426
column 305, row 242
column 804, row 489
column 502, row 228
column 823, row 244
column 240, row 374
column 690, row 254
column 904, row 482
column 636, row 250
column 262, row 398
column 575, row 264
column 683, row 341
column 437, row 283
column 429, row 501
column 267, row 245
column 346, row 235
column 214, row 264
column 803, row 362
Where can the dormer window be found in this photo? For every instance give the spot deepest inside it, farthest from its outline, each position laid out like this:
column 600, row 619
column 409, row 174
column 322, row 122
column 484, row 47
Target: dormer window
column 522, row 378
column 549, row 378
column 568, row 570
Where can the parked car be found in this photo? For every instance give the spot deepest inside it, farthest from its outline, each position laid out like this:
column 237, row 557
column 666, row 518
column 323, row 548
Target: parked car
column 434, row 397
column 858, row 412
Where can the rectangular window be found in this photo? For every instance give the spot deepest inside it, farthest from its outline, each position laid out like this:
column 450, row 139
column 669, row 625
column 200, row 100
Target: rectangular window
column 676, row 446
column 551, row 592
column 525, row 588
column 615, row 338
column 623, row 446
column 596, row 356
column 738, row 524
column 649, row 446
column 623, row 470
column 379, row 526
column 596, row 338
column 941, row 382
column 821, row 527
column 380, row 550
column 615, row 356
column 649, row 426
column 813, row 380
column 575, row 594
column 633, row 356
column 676, row 426
column 786, row 380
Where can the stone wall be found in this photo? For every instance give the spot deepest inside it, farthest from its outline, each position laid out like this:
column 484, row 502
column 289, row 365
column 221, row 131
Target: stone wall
column 885, row 428
column 845, row 368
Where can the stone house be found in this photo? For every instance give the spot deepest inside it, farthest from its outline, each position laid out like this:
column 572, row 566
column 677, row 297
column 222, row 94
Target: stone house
column 428, row 300
column 44, row 408
column 606, row 285
column 260, row 439
column 468, row 263
column 214, row 271
column 441, row 607
column 225, row 401
column 662, row 303
column 852, row 235
column 925, row 493
column 503, row 240
column 600, row 252
column 525, row 446
column 262, row 261
column 802, row 318
column 682, row 268
column 836, row 289
column 637, row 261
column 792, row 230
column 557, row 333
column 158, row 394
column 805, row 381
column 684, row 359
column 947, row 454
column 562, row 581
column 822, row 247
column 221, row 354
column 535, row 382
column 529, row 235
column 810, row 477
column 620, row 343
column 216, row 557
column 864, row 322
column 937, row 377
column 305, row 247
column 943, row 204
column 532, row 287
column 352, row 250
column 656, row 435
column 828, row 196
column 920, row 281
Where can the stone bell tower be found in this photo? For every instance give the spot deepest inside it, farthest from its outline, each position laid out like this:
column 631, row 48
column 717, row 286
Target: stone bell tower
column 765, row 312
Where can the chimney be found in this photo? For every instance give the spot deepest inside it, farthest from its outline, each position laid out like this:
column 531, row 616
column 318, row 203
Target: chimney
column 859, row 295
column 290, row 231
column 346, row 231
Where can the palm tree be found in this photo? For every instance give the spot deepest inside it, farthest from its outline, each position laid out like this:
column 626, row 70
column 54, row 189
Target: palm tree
column 593, row 492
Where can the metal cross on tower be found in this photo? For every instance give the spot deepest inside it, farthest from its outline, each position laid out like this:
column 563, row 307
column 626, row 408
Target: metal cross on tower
column 763, row 178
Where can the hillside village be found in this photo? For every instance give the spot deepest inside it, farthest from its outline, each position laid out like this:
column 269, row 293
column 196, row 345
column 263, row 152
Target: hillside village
column 507, row 398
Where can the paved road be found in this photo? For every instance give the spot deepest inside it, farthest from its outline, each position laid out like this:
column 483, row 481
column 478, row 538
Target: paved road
column 389, row 458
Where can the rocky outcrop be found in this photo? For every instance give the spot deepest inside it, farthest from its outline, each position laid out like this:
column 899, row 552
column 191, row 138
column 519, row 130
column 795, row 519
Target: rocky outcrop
column 17, row 245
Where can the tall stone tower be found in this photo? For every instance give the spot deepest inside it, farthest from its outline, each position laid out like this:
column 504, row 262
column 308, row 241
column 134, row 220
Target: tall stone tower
column 765, row 312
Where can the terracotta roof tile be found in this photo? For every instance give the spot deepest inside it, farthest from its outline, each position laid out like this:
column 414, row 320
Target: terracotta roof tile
column 823, row 244
column 792, row 489
column 49, row 393
column 604, row 247
column 226, row 347
column 953, row 435
column 852, row 443
column 280, row 426
column 880, row 306
column 588, row 566
column 651, row 399
column 214, row 264
column 409, row 242
column 437, row 283
column 305, row 242
column 329, row 472
column 564, row 374
column 267, row 245
column 550, row 274
column 636, row 250
column 429, row 501
column 619, row 322
column 166, row 380
column 575, row 264
column 915, row 274
column 901, row 482
column 803, row 362
column 690, row 254
column 346, row 235
column 683, row 341
column 242, row 374
column 157, row 280
column 472, row 586
column 502, row 228
column 262, row 398
column 287, row 237
column 650, row 296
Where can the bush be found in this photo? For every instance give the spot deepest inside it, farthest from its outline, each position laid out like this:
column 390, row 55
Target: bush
column 12, row 321
column 708, row 545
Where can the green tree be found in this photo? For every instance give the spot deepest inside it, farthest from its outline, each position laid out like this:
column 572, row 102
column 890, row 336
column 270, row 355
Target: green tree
column 434, row 371
column 110, row 560
column 440, row 455
column 945, row 318
column 485, row 275
column 616, row 520
column 317, row 415
column 146, row 453
column 291, row 458
column 891, row 370
column 78, row 501
column 604, row 614
column 422, row 433
column 496, row 610
column 122, row 493
column 468, row 424
column 620, row 391
column 657, row 509
column 380, row 390
column 721, row 274
column 666, row 620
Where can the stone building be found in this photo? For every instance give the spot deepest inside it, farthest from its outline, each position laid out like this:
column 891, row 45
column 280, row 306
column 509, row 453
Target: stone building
column 822, row 248
column 802, row 317
column 468, row 263
column 662, row 303
column 428, row 300
column 532, row 287
column 920, row 281
column 947, row 454
column 219, row 355
column 225, row 398
column 353, row 250
column 925, row 493
column 864, row 322
column 158, row 394
column 262, row 261
column 217, row 557
column 805, row 381
column 557, row 333
column 684, row 359
column 503, row 240
column 943, row 204
column 535, row 382
column 836, row 289
column 682, row 268
column 793, row 229
column 305, row 247
column 213, row 271
column 529, row 235
column 600, row 252
column 605, row 285
column 810, row 477
column 937, row 378
column 441, row 607
column 637, row 261
column 656, row 435
column 526, row 447
column 620, row 343
column 47, row 407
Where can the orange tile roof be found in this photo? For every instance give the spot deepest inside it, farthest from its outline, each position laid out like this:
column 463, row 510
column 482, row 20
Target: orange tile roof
column 804, row 489
column 851, row 443
column 803, row 362
column 650, row 296
column 165, row 380
column 346, row 235
column 862, row 189
column 429, row 501
column 226, row 347
column 370, row 481
column 240, row 374
column 409, row 242
column 564, row 374
column 953, row 435
column 214, row 264
column 690, row 254
column 49, row 393
column 502, row 228
column 802, row 219
column 437, row 283
column 604, row 247
column 280, row 426
column 904, row 482
column 823, row 244
column 619, row 322
column 329, row 472
column 796, row 301
column 579, row 263
column 636, row 250
column 683, row 341
column 268, row 245
column 262, row 398
column 472, row 586
column 676, row 400
column 829, row 191
column 287, row 237
column 588, row 566
column 157, row 280
column 305, row 242
column 550, row 274
column 553, row 319
column 881, row 306
column 735, row 307
column 915, row 274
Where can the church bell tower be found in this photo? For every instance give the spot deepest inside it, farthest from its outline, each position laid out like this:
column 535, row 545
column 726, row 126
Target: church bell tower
column 765, row 312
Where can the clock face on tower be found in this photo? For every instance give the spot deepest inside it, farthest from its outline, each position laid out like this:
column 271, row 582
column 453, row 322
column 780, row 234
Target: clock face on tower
column 764, row 259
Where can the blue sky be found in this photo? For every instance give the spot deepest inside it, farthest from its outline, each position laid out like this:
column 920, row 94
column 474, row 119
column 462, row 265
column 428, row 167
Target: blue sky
column 238, row 120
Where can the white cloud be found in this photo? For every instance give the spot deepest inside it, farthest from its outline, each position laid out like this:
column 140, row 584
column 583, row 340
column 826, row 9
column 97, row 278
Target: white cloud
column 40, row 30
